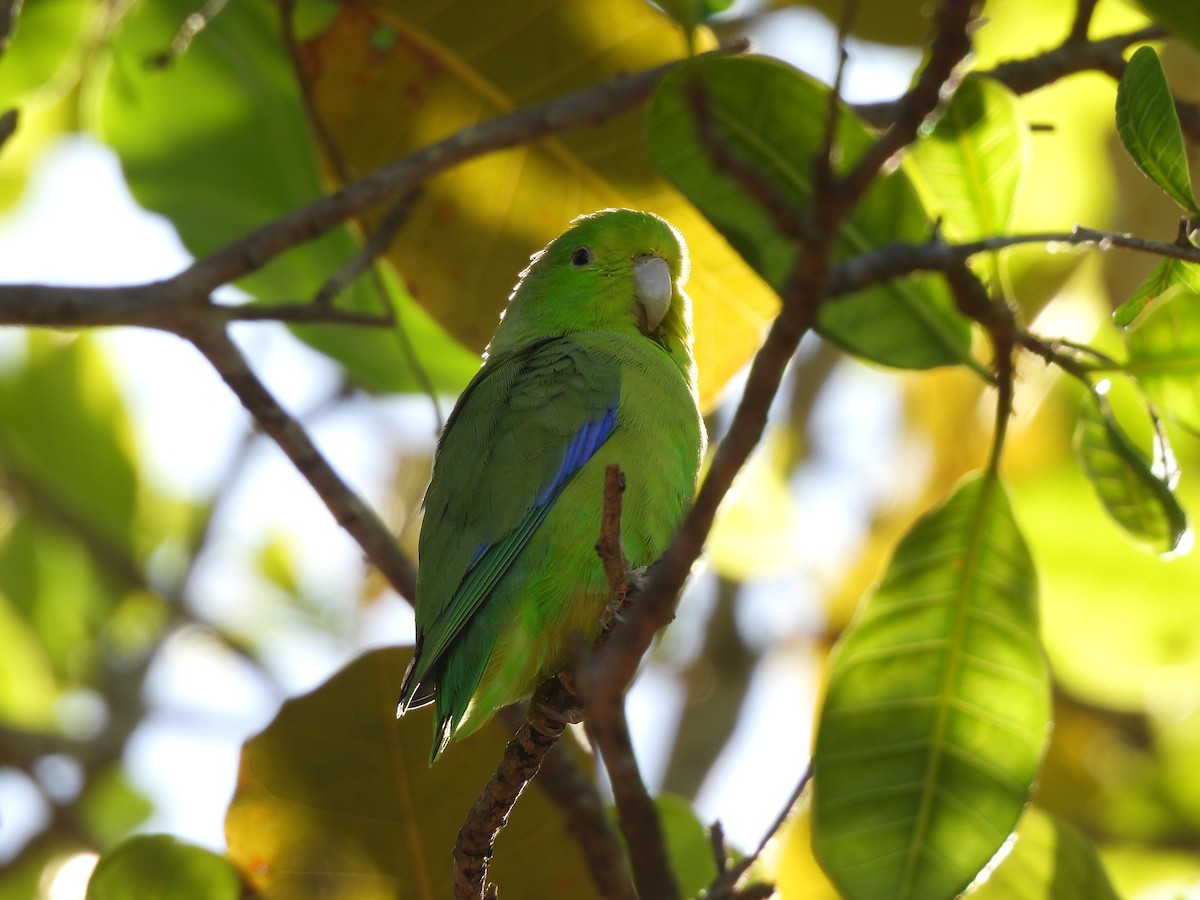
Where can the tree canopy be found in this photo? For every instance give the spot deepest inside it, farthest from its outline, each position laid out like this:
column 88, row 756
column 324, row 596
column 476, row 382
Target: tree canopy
column 949, row 350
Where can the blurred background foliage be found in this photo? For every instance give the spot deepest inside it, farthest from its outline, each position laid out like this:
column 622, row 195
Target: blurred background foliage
column 119, row 584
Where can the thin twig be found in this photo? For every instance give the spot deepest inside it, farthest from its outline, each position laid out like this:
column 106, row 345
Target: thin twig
column 375, row 246
column 587, row 819
column 609, row 547
column 304, row 314
column 723, row 886
column 895, row 260
column 348, row 509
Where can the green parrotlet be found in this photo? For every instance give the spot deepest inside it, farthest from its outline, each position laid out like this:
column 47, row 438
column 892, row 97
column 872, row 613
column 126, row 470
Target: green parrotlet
column 590, row 365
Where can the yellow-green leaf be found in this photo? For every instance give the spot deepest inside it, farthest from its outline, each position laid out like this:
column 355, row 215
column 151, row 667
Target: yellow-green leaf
column 159, row 866
column 217, row 141
column 1050, row 860
column 772, row 117
column 1167, row 274
column 336, row 798
column 971, row 164
column 1135, row 492
column 937, row 710
column 390, row 76
column 1164, row 356
column 1149, row 127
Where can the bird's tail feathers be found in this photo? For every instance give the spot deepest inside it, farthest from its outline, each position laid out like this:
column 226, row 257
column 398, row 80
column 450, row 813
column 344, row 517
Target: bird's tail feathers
column 415, row 692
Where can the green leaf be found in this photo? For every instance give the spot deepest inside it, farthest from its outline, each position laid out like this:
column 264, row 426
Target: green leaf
column 1137, row 496
column 28, row 687
column 337, row 798
column 937, row 710
column 971, row 164
column 1179, row 18
column 113, row 806
column 688, row 845
column 61, row 590
column 49, row 41
column 1149, row 127
column 1166, row 275
column 218, row 143
column 38, row 70
column 41, row 451
column 1164, row 356
column 1050, row 860
column 1112, row 623
column 772, row 117
column 159, row 866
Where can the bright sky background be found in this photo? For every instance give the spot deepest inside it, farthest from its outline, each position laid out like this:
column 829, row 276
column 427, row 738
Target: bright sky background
column 78, row 224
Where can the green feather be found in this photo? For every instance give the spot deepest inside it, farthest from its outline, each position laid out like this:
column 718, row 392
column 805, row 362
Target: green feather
column 508, row 571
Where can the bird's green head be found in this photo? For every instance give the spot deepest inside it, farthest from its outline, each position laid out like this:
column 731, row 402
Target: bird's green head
column 612, row 270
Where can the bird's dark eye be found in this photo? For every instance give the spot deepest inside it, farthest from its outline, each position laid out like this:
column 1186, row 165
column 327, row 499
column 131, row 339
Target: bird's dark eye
column 581, row 257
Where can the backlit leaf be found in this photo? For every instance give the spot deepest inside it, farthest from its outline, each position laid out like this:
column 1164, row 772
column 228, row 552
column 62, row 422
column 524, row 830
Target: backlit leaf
column 230, row 149
column 971, row 163
column 937, row 709
column 1138, row 498
column 1050, row 860
column 1164, row 356
column 1149, row 127
column 42, row 451
column 1182, row 19
column 336, row 798
column 38, row 69
column 772, row 117
column 1166, row 275
column 390, row 76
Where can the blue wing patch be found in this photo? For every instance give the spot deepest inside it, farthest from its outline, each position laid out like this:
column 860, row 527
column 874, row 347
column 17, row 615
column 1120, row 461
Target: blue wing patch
column 586, row 442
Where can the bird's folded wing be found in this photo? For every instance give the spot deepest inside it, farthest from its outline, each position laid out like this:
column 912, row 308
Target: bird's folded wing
column 525, row 425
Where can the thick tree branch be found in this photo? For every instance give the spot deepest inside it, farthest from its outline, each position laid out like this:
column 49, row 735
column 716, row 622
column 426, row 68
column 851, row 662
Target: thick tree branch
column 350, row 511
column 589, row 106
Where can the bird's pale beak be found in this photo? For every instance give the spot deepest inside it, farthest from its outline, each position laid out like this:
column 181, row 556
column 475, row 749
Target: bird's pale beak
column 652, row 281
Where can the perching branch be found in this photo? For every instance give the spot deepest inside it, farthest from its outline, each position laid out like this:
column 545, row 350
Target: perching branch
column 617, row 663
column 522, row 758
column 554, row 705
column 609, row 547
